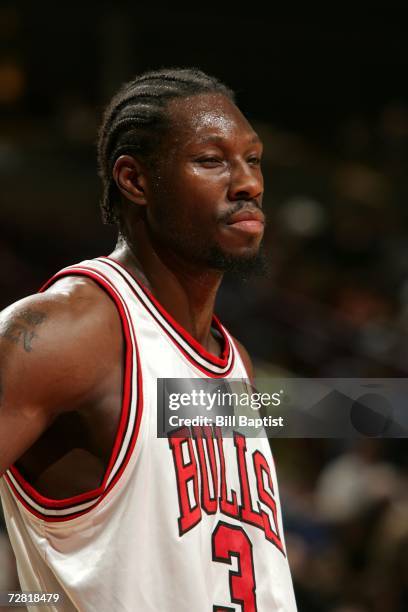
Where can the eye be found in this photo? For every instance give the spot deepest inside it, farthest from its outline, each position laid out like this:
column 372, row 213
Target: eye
column 254, row 160
column 209, row 161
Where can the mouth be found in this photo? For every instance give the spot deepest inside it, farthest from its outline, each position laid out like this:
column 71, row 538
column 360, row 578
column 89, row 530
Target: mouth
column 249, row 221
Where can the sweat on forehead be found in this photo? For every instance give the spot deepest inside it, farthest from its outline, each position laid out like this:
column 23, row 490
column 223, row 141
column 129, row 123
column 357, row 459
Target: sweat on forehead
column 205, row 111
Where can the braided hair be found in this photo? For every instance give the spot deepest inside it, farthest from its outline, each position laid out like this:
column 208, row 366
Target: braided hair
column 136, row 119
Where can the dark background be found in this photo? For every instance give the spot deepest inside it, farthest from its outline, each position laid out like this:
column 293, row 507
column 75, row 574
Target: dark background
column 329, row 96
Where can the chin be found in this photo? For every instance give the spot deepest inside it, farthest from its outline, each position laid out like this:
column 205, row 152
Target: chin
column 244, row 263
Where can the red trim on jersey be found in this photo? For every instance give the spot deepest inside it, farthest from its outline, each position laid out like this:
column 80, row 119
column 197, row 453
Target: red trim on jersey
column 99, row 493
column 261, row 466
column 40, row 515
column 238, row 352
column 221, row 362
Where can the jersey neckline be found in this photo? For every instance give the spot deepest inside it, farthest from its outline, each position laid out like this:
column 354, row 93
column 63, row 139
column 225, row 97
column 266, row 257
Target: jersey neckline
column 222, row 364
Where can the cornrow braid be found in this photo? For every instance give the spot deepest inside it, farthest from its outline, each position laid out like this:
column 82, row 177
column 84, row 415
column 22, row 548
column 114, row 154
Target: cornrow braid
column 136, row 118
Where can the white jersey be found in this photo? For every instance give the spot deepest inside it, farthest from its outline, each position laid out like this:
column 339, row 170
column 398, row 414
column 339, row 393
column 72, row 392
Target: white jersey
column 178, row 524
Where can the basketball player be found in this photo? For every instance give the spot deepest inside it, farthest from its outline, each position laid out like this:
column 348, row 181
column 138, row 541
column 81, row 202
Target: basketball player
column 97, row 507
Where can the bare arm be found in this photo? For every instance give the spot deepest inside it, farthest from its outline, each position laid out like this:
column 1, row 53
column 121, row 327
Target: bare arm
column 56, row 350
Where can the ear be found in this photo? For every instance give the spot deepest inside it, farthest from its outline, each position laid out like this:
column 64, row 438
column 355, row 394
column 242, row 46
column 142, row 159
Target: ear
column 130, row 177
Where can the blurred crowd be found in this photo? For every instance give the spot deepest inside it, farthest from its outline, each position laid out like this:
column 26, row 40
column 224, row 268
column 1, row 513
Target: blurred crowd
column 345, row 511
column 335, row 304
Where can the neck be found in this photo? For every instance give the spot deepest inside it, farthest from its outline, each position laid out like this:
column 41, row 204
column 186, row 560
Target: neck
column 185, row 290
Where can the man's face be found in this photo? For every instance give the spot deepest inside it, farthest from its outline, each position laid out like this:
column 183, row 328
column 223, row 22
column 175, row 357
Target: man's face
column 205, row 197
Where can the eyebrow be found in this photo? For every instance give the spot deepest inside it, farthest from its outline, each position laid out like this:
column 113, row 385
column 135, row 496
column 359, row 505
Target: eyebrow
column 215, row 138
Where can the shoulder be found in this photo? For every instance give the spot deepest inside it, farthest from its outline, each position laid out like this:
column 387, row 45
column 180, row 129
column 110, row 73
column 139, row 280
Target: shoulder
column 82, row 303
column 245, row 358
column 61, row 341
column 69, row 307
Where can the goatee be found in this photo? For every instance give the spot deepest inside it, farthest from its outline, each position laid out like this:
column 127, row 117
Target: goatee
column 242, row 268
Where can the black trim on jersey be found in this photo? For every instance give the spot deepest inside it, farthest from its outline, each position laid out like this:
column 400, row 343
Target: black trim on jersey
column 225, row 370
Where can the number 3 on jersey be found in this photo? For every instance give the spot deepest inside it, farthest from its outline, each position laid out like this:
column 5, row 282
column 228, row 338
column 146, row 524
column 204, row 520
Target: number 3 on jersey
column 231, row 541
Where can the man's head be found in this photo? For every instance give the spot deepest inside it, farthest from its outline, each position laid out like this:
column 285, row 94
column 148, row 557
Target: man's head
column 176, row 153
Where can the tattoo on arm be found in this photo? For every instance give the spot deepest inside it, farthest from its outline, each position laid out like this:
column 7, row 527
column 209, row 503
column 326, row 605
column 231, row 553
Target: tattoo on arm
column 21, row 331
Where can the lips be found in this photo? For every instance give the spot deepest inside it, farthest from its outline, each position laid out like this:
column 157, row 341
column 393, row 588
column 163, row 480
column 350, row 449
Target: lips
column 247, row 215
column 251, row 221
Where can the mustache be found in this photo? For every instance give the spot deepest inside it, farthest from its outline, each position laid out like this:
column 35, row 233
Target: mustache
column 239, row 206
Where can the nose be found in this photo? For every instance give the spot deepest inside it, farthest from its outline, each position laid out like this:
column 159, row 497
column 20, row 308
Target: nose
column 246, row 182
